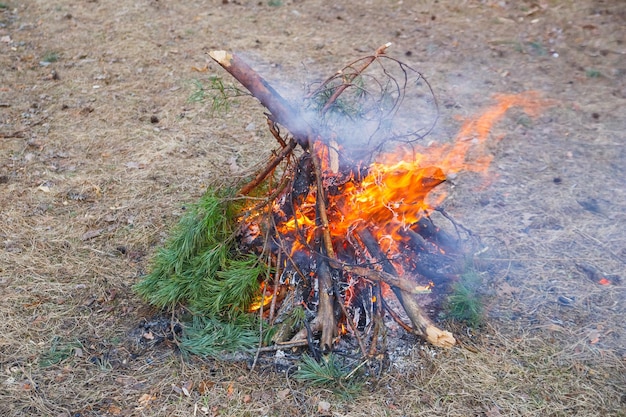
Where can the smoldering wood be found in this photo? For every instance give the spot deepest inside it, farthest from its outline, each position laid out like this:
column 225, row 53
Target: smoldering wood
column 423, row 326
column 307, row 177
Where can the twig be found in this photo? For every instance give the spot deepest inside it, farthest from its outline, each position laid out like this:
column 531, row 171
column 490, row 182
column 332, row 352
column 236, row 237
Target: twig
column 287, row 345
column 275, row 289
column 350, row 322
column 275, row 131
column 396, row 317
column 389, row 279
column 246, row 189
column 349, row 78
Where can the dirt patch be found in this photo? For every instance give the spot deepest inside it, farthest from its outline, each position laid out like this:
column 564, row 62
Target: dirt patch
column 101, row 149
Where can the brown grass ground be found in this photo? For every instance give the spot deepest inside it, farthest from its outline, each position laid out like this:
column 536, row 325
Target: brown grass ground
column 89, row 186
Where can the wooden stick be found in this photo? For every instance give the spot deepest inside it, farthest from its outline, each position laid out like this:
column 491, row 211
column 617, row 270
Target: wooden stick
column 423, row 326
column 246, row 189
column 389, row 279
column 325, row 311
column 280, row 108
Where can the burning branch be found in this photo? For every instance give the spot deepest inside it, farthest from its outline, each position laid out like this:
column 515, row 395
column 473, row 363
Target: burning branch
column 343, row 243
column 344, row 96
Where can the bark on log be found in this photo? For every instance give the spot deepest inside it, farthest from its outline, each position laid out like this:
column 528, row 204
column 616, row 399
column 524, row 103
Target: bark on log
column 280, row 108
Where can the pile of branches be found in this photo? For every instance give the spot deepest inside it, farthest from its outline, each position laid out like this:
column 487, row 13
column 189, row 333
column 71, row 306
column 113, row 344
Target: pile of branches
column 242, row 266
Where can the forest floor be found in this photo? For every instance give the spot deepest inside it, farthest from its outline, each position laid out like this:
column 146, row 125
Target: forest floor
column 106, row 134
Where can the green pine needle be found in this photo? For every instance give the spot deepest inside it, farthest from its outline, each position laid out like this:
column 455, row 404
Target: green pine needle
column 326, row 372
column 211, row 337
column 199, row 266
column 464, row 303
column 329, row 373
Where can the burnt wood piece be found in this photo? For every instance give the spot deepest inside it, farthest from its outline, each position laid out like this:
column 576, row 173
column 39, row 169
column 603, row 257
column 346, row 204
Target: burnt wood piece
column 424, row 250
column 422, row 325
column 325, row 311
column 427, row 229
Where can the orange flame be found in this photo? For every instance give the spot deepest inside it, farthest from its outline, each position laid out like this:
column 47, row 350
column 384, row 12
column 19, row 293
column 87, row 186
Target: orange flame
column 395, row 192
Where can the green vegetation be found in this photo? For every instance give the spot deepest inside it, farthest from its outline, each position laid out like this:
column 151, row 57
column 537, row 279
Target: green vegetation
column 58, row 352
column 50, row 56
column 206, row 336
column 593, row 73
column 464, row 304
column 215, row 90
column 328, row 373
column 200, row 267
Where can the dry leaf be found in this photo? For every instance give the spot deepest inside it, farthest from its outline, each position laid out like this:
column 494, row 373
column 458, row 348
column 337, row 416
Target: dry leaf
column 44, row 188
column 283, row 393
column 145, row 399
column 247, row 398
column 91, row 234
column 114, row 410
column 230, row 389
column 323, row 407
column 204, row 386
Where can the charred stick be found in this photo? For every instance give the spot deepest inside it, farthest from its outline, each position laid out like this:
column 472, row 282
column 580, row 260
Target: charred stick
column 321, row 205
column 377, row 324
column 427, row 229
column 419, row 244
column 280, row 108
column 268, row 168
column 349, row 320
column 275, row 289
column 389, row 279
column 325, row 310
column 424, row 327
column 416, row 241
column 378, row 317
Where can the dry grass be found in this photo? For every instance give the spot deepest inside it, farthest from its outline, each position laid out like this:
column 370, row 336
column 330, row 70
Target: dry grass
column 89, row 186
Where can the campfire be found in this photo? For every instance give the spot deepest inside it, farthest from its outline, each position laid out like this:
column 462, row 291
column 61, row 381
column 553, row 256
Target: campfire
column 343, row 213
